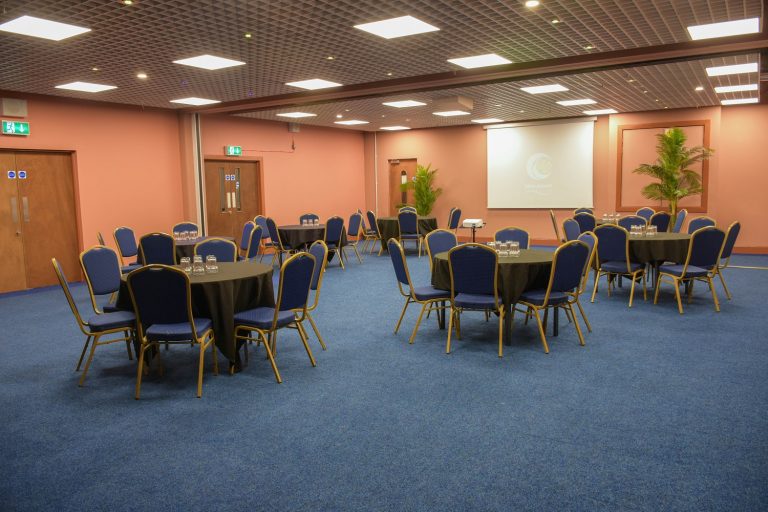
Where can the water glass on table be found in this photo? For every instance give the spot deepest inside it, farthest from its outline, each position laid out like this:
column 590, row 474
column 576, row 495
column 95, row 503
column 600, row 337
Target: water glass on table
column 514, row 249
column 211, row 266
column 193, row 234
column 197, row 265
column 186, row 264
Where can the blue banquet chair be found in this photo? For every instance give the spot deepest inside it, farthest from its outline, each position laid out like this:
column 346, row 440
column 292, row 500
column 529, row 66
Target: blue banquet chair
column 590, row 239
column 408, row 225
column 474, row 286
column 120, row 323
column 355, row 233
column 162, row 299
column 125, row 241
column 373, row 234
column 700, row 264
column 333, row 236
column 158, row 249
column 428, row 296
column 454, row 217
column 276, row 243
column 290, row 310
column 571, row 229
column 583, row 210
column 245, row 237
column 613, row 259
column 513, row 234
column 586, row 221
column 102, row 276
column 224, row 250
column 564, row 287
column 311, row 217
column 186, row 226
column 266, row 242
column 725, row 257
column 439, row 240
column 320, row 251
column 407, row 209
column 661, row 220
column 632, row 220
column 681, row 215
column 700, row 222
column 254, row 245
column 645, row 212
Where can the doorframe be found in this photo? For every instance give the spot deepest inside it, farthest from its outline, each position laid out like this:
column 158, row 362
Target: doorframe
column 219, row 158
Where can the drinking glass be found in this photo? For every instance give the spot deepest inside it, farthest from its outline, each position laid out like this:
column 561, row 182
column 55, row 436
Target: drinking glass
column 186, row 264
column 514, row 249
column 193, row 234
column 210, row 264
column 652, row 230
column 316, row 222
column 183, row 235
column 197, row 265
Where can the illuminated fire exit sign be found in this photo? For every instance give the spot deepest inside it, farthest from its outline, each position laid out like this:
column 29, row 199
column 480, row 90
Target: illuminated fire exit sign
column 233, row 150
column 15, row 128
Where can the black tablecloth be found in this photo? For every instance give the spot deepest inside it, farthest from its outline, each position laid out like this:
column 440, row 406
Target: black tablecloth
column 296, row 236
column 186, row 248
column 660, row 247
column 234, row 288
column 389, row 228
column 529, row 271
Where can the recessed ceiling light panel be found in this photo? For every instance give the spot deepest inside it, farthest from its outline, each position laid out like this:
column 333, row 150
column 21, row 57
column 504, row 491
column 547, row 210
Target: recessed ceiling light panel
column 741, row 101
column 451, row 113
column 487, row 120
column 397, row 27
column 404, row 103
column 195, row 101
column 571, row 103
column 210, row 62
column 38, row 27
column 600, row 112
column 480, row 61
column 724, row 29
column 541, row 89
column 86, row 87
column 735, row 88
column 313, row 84
column 351, row 122
column 296, row 115
column 394, row 128
column 734, row 69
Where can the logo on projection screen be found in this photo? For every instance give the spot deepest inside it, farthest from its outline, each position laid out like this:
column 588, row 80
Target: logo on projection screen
column 539, row 168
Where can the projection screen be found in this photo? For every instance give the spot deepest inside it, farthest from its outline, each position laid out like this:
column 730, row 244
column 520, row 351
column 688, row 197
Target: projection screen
column 540, row 165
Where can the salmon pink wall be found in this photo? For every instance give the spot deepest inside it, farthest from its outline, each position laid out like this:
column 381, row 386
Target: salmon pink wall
column 126, row 162
column 737, row 177
column 324, row 174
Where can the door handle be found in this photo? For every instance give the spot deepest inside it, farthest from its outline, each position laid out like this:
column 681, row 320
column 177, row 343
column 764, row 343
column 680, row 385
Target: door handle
column 15, row 210
column 25, row 208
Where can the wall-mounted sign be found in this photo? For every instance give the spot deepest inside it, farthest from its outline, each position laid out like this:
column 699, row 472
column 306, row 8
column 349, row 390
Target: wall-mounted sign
column 22, row 175
column 15, row 127
column 11, row 175
column 233, row 150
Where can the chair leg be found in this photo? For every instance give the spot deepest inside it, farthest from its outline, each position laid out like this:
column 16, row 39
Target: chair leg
column 200, row 364
column 317, row 331
column 714, row 293
column 359, row 259
column 402, row 314
column 450, row 329
column 594, row 287
column 501, row 332
column 583, row 315
column 341, row 258
column 458, row 324
column 418, row 321
column 689, row 294
column 128, row 345
column 271, row 358
column 677, row 296
column 303, row 337
column 82, row 354
column 90, row 358
column 140, row 371
column 541, row 331
column 632, row 289
column 658, row 288
column 576, row 323
column 212, row 343
column 722, row 281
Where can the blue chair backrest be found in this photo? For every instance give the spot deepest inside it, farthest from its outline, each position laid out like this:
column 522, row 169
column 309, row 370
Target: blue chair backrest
column 705, row 247
column 586, row 221
column 583, row 210
column 661, row 220
column 295, row 280
column 473, row 269
column 454, row 218
column 333, row 229
column 571, row 229
column 568, row 266
column 513, row 235
column 245, row 238
column 355, row 221
column 698, row 223
column 632, row 220
column 224, row 250
column 645, row 213
column 730, row 239
column 372, row 222
column 679, row 220
column 611, row 243
column 441, row 240
column 102, row 270
column 309, row 216
column 254, row 245
column 590, row 239
column 185, row 226
column 398, row 261
column 158, row 248
column 408, row 221
column 407, row 209
column 160, row 295
column 261, row 221
column 320, row 251
column 126, row 242
column 274, row 234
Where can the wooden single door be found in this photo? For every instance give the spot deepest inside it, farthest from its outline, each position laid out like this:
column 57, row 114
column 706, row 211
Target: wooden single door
column 232, row 196
column 400, row 172
column 44, row 225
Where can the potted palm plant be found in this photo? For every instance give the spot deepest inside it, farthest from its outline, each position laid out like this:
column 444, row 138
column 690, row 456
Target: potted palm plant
column 424, row 192
column 672, row 169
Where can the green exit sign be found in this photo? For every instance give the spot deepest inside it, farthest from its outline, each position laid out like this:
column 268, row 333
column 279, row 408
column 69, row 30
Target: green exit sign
column 233, row 150
column 15, row 128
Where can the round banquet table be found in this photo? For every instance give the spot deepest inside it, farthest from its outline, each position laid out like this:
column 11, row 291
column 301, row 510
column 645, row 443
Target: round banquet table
column 389, row 228
column 517, row 274
column 296, row 235
column 660, row 247
column 234, row 288
column 186, row 248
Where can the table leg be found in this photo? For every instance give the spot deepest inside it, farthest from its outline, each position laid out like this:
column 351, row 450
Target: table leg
column 441, row 316
column 556, row 323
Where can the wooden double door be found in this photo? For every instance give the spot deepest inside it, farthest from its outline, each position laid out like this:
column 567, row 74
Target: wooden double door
column 400, row 172
column 38, row 219
column 232, row 196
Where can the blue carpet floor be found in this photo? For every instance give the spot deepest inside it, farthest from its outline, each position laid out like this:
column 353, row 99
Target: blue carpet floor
column 658, row 412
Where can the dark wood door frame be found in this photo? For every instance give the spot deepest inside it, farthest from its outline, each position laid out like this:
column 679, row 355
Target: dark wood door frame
column 259, row 161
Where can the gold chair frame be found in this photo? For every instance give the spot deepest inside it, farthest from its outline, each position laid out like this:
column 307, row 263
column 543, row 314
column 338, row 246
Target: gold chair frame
column 723, row 265
column 204, row 340
column 705, row 217
column 373, row 237
column 117, row 244
column 353, row 243
column 311, row 308
column 277, row 246
column 517, row 228
column 218, row 239
column 156, row 233
column 338, row 250
column 420, row 239
column 634, row 276
column 426, row 242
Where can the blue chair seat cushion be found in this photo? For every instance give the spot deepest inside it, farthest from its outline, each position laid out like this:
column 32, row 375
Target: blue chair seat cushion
column 110, row 308
column 677, row 270
column 474, row 301
column 261, row 318
column 619, row 267
column 430, row 293
column 113, row 320
column 332, row 245
column 536, row 297
column 410, row 236
column 130, row 267
column 177, row 332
